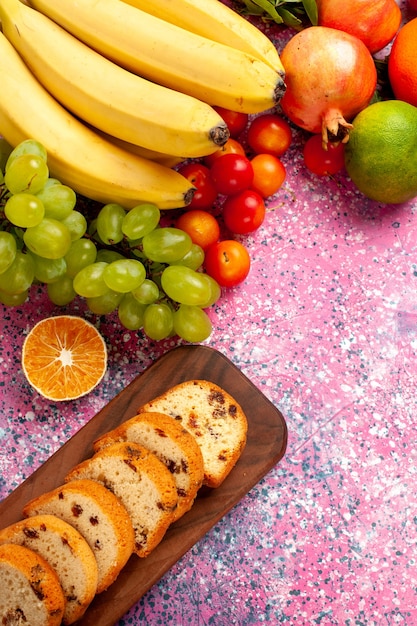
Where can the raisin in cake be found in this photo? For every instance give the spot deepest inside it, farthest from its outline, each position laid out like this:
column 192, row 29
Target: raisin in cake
column 99, row 516
column 213, row 417
column 141, row 482
column 31, row 594
column 66, row 551
column 172, row 444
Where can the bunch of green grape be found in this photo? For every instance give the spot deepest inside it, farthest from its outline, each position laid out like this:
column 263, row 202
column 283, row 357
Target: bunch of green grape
column 120, row 260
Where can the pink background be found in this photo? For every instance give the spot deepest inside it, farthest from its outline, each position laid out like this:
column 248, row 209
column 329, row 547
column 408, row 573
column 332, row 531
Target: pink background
column 326, row 327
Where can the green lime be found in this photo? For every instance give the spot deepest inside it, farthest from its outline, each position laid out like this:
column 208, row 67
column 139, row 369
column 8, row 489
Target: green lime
column 381, row 154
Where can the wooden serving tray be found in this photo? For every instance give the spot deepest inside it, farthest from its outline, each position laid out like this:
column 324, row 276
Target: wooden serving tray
column 266, row 444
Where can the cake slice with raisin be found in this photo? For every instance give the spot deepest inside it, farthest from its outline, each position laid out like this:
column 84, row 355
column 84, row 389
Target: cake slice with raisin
column 66, row 551
column 172, row 444
column 214, row 418
column 141, row 482
column 31, row 594
column 99, row 516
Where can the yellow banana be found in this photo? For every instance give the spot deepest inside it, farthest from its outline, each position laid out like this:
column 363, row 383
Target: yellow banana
column 77, row 156
column 169, row 55
column 108, row 96
column 215, row 20
column 169, row 160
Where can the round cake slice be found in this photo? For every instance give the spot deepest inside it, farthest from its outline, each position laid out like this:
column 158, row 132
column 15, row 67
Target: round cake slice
column 99, row 517
column 141, row 482
column 214, row 418
column 30, row 590
column 66, row 551
column 172, row 444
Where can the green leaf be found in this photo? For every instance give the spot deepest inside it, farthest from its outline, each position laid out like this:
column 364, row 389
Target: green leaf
column 290, row 19
column 268, row 7
column 251, row 8
column 293, row 13
column 311, row 10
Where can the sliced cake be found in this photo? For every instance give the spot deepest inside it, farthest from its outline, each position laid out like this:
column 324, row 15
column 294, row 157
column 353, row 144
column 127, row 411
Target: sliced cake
column 214, row 418
column 141, row 482
column 99, row 516
column 172, row 444
column 31, row 594
column 66, row 551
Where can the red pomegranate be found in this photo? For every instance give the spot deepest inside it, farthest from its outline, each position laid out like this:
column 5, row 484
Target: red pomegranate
column 330, row 77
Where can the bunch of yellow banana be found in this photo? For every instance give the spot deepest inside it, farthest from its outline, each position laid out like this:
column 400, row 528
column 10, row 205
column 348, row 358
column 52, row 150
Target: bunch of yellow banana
column 118, row 95
column 78, row 156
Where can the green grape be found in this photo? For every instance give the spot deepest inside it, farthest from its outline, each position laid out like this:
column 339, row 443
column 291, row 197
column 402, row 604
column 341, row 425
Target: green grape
column 131, row 312
column 50, row 239
column 19, row 276
column 185, row 285
column 193, row 259
column 24, row 210
column 14, row 299
column 28, row 146
column 109, row 223
column 215, row 294
column 166, row 245
column 105, row 304
column 76, row 224
column 26, row 172
column 140, row 221
column 59, row 200
column 192, row 324
column 89, row 281
column 48, row 270
column 108, row 256
column 124, row 275
column 51, row 182
column 8, row 250
column 5, row 151
column 82, row 252
column 92, row 228
column 147, row 292
column 61, row 292
column 158, row 321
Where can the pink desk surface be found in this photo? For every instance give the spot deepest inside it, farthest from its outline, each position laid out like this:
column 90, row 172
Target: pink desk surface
column 326, row 327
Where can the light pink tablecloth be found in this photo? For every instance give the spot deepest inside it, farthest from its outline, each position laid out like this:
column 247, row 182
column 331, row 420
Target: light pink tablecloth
column 326, row 327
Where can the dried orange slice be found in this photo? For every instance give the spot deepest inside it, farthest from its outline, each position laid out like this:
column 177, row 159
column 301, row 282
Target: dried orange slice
column 64, row 357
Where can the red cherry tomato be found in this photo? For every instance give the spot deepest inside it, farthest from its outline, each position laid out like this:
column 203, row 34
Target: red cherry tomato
column 270, row 134
column 199, row 176
column 228, row 262
column 268, row 174
column 320, row 161
column 202, row 227
column 231, row 174
column 232, row 146
column 244, row 212
column 236, row 120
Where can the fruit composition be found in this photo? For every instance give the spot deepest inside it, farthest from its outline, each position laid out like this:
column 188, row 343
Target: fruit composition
column 132, row 172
